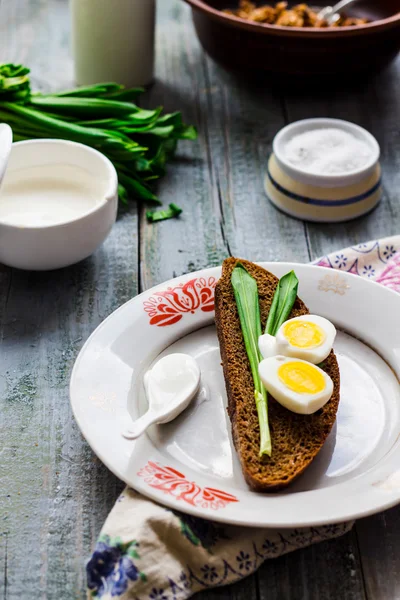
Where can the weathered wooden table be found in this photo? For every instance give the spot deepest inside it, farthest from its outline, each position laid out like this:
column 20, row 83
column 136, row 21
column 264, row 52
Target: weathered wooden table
column 54, row 493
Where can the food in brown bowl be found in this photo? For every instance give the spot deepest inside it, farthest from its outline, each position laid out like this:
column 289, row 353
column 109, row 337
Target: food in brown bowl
column 245, row 44
column 300, row 15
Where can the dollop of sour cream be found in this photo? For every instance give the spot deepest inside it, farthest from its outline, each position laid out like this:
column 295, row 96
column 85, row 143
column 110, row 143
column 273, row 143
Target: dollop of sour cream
column 327, row 151
column 172, row 380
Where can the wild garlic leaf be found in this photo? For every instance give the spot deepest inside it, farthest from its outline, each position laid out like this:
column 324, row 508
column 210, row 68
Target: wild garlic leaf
column 246, row 295
column 282, row 304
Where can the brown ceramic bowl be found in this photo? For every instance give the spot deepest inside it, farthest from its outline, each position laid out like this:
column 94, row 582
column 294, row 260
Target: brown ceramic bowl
column 244, row 45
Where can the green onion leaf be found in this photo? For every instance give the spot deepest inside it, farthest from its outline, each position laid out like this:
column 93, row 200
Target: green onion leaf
column 122, row 194
column 162, row 215
column 282, row 303
column 130, row 95
column 84, row 106
column 93, row 91
column 186, row 132
column 246, row 296
column 136, row 188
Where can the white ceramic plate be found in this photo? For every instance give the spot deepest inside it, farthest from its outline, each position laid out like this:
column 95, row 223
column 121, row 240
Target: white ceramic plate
column 190, row 464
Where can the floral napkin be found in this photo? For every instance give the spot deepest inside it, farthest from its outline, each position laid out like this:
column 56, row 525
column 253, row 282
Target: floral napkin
column 146, row 551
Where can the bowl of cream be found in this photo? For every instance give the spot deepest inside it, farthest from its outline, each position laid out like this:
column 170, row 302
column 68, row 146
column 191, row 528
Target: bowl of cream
column 58, row 203
column 324, row 170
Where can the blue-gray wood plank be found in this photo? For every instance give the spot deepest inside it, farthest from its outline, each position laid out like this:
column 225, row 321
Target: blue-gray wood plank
column 54, row 493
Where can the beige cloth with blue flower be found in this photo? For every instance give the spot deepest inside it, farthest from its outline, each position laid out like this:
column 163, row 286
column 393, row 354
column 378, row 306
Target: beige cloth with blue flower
column 146, row 551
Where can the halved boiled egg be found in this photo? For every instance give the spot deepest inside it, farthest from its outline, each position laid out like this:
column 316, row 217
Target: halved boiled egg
column 297, row 384
column 308, row 337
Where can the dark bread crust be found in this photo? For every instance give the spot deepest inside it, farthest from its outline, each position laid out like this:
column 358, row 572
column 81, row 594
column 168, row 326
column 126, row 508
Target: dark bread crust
column 296, row 439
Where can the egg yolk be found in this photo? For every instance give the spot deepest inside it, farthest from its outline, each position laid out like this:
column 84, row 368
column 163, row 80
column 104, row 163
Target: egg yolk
column 303, row 334
column 301, row 377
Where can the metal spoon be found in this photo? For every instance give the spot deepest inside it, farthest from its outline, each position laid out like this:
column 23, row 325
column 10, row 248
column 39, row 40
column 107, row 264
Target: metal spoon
column 170, row 386
column 331, row 13
column 5, row 147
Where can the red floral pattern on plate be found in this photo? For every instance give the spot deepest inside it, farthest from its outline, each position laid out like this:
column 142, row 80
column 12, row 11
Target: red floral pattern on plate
column 168, row 306
column 174, row 483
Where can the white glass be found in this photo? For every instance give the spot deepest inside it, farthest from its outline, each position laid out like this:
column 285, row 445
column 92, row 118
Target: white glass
column 113, row 40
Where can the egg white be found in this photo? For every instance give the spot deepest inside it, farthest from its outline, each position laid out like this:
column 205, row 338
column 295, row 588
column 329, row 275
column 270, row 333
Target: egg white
column 300, row 403
column 316, row 354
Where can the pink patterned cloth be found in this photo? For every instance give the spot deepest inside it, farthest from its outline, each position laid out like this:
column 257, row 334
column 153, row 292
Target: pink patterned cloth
column 378, row 260
column 391, row 275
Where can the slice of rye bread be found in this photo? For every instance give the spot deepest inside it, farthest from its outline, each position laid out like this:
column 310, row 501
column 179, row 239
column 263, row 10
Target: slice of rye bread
column 296, row 439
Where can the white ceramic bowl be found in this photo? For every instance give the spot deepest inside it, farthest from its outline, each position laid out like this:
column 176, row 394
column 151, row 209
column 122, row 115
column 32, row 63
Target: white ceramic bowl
column 67, row 234
column 320, row 197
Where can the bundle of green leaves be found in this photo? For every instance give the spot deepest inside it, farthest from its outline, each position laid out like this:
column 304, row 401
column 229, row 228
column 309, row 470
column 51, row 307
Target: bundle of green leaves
column 106, row 117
